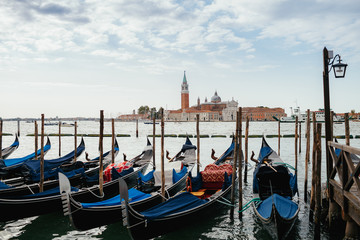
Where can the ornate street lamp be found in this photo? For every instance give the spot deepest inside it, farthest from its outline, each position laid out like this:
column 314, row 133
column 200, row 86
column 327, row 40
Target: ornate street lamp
column 339, row 72
column 339, row 68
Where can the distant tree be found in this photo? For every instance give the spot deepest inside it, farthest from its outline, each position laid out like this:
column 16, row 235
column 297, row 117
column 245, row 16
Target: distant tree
column 153, row 112
column 158, row 114
column 143, row 110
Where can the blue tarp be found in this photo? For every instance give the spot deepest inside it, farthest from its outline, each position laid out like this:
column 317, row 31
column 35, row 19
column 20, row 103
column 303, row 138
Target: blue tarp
column 196, row 182
column 4, row 185
column 134, row 195
column 55, row 174
column 115, row 174
column 179, row 175
column 284, row 206
column 50, row 192
column 147, row 177
column 15, row 161
column 188, row 145
column 293, row 183
column 32, row 167
column 179, row 203
column 227, row 153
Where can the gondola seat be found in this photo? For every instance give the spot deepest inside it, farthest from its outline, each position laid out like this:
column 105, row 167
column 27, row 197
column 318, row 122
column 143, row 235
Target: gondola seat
column 271, row 182
column 213, row 175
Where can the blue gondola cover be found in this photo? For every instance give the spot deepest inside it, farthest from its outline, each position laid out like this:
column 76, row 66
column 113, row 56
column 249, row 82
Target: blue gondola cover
column 179, row 203
column 179, row 175
column 286, row 208
column 134, row 195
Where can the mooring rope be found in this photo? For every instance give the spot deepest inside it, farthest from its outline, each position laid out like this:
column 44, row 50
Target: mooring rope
column 98, row 196
column 225, row 203
column 285, row 164
column 248, row 204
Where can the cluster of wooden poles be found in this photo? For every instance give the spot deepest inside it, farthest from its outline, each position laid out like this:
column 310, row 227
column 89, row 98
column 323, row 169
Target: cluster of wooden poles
column 315, row 196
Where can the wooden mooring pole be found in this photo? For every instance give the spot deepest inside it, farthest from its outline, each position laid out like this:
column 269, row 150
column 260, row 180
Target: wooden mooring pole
column 1, row 127
column 246, row 148
column 41, row 186
column 232, row 198
column 279, row 136
column 162, row 156
column 296, row 142
column 299, row 137
column 317, row 180
column 101, row 168
column 154, row 128
column 36, row 139
column 59, row 138
column 18, row 124
column 312, row 193
column 198, row 142
column 112, row 140
column 137, row 128
column 347, row 129
column 307, row 155
column 240, row 161
column 75, row 140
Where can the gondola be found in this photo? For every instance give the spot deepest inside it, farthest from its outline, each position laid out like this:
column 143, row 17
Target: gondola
column 9, row 167
column 275, row 186
column 29, row 172
column 9, row 150
column 147, row 193
column 200, row 200
column 33, row 204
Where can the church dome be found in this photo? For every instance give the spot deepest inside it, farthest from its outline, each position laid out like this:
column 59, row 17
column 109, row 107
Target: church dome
column 215, row 98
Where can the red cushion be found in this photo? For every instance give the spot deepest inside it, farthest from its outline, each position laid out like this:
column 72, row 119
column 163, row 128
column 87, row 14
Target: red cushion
column 215, row 173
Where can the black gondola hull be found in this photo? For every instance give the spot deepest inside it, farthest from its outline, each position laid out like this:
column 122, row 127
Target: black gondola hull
column 12, row 209
column 277, row 226
column 111, row 214
column 139, row 228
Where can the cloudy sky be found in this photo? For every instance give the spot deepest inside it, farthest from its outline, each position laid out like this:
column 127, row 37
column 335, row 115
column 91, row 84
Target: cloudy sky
column 74, row 57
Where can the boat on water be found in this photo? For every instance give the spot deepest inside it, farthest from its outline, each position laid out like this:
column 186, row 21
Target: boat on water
column 38, row 203
column 146, row 194
column 6, row 152
column 274, row 186
column 10, row 167
column 302, row 117
column 200, row 200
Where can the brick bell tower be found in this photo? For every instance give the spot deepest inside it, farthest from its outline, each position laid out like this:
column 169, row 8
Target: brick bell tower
column 184, row 94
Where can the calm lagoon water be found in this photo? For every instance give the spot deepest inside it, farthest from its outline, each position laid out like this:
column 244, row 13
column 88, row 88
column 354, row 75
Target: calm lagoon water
column 56, row 226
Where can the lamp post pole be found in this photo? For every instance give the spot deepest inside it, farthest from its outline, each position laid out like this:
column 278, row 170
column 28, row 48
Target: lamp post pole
column 329, row 164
